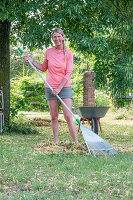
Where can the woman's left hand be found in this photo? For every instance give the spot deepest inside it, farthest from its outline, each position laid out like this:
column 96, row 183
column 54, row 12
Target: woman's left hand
column 56, row 91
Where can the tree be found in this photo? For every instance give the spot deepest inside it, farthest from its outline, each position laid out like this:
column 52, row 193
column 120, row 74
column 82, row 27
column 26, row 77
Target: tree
column 100, row 28
column 4, row 65
column 5, row 25
column 17, row 22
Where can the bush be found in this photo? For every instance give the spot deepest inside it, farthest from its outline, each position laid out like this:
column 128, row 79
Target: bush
column 120, row 102
column 27, row 93
column 124, row 113
column 101, row 98
column 19, row 126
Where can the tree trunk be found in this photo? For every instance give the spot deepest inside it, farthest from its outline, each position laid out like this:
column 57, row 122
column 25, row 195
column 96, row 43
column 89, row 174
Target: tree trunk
column 5, row 67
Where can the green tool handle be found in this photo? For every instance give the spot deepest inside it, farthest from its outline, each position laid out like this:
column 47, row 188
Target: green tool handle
column 20, row 51
column 78, row 121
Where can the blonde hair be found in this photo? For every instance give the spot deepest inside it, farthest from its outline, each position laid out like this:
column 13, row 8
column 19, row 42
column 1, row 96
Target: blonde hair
column 60, row 31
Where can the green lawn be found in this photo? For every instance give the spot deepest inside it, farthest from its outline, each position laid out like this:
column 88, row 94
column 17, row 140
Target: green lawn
column 29, row 172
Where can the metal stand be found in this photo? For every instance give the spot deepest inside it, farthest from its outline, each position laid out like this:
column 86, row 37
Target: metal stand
column 1, row 110
column 1, row 121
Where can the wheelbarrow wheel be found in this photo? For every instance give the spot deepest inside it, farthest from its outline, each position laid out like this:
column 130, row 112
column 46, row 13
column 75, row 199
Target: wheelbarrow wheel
column 94, row 126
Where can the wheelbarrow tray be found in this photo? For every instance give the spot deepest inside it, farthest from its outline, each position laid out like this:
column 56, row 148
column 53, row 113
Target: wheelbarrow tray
column 92, row 112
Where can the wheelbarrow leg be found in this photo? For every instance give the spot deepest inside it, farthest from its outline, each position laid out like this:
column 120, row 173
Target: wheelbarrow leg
column 94, row 122
column 99, row 124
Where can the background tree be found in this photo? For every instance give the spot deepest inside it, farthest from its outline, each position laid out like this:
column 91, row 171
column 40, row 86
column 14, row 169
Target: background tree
column 98, row 28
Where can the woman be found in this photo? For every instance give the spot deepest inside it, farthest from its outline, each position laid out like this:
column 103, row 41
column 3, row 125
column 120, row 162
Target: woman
column 59, row 63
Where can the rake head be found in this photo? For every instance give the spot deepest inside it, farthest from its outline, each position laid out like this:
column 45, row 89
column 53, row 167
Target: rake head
column 95, row 144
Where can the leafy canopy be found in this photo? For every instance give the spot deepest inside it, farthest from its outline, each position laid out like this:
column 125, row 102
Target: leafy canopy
column 98, row 28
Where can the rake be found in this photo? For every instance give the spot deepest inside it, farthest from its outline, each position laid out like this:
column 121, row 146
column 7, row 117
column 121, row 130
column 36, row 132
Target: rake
column 95, row 144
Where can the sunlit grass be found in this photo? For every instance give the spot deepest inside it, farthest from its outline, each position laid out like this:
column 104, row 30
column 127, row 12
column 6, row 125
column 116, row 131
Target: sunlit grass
column 29, row 174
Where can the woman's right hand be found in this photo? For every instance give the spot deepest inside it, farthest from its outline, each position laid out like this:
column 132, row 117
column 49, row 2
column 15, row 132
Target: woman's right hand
column 26, row 58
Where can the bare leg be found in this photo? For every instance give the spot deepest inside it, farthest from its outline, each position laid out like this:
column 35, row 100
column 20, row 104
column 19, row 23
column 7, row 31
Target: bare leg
column 69, row 119
column 53, row 105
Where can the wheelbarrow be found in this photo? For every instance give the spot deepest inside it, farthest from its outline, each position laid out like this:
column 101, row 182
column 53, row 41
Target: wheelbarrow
column 92, row 115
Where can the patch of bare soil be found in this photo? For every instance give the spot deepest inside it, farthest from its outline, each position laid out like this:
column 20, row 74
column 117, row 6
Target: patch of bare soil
column 12, row 188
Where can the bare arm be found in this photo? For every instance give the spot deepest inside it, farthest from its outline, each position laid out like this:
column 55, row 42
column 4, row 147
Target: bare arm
column 37, row 65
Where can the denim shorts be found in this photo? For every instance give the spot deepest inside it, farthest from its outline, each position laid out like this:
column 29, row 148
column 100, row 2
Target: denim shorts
column 65, row 93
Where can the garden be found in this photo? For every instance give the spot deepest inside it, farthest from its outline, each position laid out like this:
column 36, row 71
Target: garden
column 32, row 166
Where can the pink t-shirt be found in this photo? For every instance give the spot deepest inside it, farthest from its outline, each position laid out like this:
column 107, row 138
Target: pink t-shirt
column 58, row 68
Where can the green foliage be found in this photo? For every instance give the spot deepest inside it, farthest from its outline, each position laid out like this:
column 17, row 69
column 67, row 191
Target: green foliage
column 16, row 98
column 122, row 102
column 98, row 29
column 19, row 126
column 26, row 90
column 124, row 113
column 102, row 99
column 121, row 80
column 27, row 93
column 18, row 66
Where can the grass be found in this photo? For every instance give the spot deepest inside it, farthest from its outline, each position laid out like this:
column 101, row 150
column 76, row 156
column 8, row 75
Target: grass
column 28, row 174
